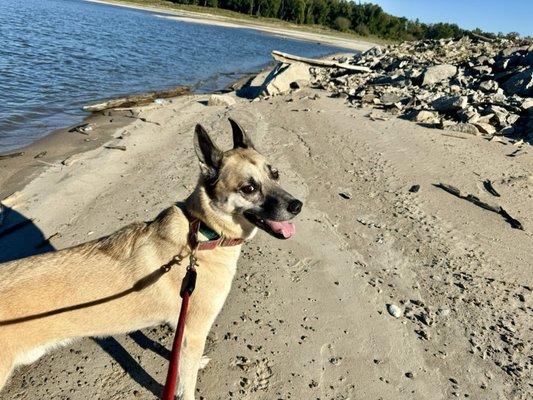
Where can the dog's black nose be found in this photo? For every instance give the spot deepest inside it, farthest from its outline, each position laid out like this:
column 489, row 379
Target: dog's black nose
column 295, row 206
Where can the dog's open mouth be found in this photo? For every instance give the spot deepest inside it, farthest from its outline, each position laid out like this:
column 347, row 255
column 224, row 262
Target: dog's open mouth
column 278, row 229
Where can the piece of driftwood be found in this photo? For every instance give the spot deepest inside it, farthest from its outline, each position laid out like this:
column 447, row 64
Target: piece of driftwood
column 83, row 128
column 487, row 184
column 11, row 155
column 480, row 37
column 116, row 147
column 515, row 153
column 137, row 99
column 46, row 241
column 288, row 58
column 475, row 200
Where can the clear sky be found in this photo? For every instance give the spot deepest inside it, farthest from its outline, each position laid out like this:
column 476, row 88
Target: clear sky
column 489, row 15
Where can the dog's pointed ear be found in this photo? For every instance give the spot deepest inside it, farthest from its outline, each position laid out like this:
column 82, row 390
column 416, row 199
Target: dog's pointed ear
column 240, row 138
column 207, row 151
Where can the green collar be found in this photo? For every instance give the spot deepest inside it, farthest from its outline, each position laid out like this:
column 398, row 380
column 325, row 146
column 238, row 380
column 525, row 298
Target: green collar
column 209, row 233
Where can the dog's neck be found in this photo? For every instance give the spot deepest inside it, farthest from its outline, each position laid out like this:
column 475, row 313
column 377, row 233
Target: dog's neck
column 199, row 205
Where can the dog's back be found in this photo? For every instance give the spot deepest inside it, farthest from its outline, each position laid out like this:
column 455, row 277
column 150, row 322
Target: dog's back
column 45, row 299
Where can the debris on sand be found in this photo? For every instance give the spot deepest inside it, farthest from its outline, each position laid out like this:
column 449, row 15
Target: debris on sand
column 222, row 100
column 475, row 200
column 11, row 155
column 487, row 184
column 115, row 147
column 83, row 129
column 468, row 85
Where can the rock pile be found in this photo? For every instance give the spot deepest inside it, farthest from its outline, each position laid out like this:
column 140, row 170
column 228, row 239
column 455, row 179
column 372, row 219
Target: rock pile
column 469, row 85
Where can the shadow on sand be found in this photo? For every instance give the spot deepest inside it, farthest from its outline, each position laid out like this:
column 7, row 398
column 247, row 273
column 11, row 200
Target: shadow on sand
column 20, row 237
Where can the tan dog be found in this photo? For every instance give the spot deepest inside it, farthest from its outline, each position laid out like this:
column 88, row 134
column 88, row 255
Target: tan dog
column 116, row 284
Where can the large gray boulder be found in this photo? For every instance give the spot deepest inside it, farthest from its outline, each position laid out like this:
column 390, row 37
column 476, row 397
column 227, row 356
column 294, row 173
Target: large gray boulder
column 292, row 75
column 281, row 79
column 438, row 73
column 520, row 84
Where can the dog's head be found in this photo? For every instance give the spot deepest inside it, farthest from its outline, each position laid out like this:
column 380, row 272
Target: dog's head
column 243, row 186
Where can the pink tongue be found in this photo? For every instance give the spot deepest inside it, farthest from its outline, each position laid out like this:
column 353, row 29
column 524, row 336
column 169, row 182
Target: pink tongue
column 286, row 228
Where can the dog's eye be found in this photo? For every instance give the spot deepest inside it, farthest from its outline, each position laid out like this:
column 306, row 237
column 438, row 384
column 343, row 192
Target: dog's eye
column 248, row 189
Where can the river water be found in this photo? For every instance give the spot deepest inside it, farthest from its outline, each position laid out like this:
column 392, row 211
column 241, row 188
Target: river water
column 58, row 55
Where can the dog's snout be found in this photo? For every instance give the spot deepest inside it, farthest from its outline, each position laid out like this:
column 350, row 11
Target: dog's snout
column 295, row 206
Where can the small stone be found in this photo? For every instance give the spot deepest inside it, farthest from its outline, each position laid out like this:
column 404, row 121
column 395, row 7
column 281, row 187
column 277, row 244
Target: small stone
column 414, row 188
column 394, row 310
column 489, row 86
column 443, row 312
column 409, row 375
column 345, row 195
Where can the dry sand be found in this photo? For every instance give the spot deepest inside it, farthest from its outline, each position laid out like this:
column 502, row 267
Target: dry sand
column 228, row 22
column 307, row 318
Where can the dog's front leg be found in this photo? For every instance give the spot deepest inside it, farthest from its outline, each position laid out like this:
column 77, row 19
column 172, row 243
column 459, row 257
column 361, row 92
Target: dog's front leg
column 190, row 363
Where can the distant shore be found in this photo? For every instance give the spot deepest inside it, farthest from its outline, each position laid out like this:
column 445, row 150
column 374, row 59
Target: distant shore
column 218, row 20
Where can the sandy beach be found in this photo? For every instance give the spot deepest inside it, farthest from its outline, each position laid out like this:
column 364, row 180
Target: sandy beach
column 212, row 19
column 307, row 318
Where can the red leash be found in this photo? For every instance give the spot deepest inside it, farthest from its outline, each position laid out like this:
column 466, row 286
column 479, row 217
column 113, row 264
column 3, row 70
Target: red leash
column 187, row 288
column 174, row 365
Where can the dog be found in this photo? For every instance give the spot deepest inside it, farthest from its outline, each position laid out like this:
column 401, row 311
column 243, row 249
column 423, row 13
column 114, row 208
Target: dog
column 116, row 284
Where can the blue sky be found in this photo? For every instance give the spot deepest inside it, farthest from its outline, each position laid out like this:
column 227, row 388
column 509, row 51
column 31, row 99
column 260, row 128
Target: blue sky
column 489, row 15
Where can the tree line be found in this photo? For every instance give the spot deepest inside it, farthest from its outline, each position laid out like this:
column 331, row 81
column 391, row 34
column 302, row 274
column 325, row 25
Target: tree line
column 348, row 16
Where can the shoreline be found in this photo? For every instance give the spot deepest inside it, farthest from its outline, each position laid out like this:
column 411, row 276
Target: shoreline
column 60, row 144
column 228, row 22
column 55, row 147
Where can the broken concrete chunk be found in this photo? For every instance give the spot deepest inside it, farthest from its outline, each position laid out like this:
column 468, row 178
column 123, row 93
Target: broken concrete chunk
column 221, row 100
column 438, row 73
column 464, row 128
column 489, row 86
column 424, row 116
column 450, row 103
column 520, row 84
column 282, row 80
column 485, row 128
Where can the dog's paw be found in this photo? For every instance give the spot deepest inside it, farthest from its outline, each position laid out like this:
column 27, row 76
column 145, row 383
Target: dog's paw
column 203, row 362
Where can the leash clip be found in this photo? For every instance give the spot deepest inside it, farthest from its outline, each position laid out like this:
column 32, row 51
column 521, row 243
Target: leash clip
column 189, row 280
column 176, row 260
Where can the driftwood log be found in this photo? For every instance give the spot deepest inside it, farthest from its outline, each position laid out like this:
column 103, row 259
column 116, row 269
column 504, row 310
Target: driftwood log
column 137, row 99
column 475, row 200
column 11, row 155
column 288, row 58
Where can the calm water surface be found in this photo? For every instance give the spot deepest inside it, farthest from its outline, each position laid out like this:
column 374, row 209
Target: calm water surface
column 57, row 55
